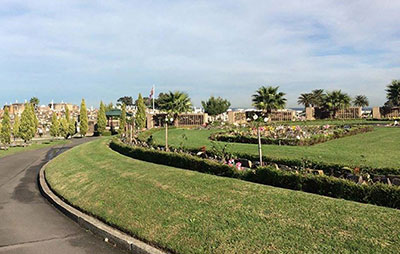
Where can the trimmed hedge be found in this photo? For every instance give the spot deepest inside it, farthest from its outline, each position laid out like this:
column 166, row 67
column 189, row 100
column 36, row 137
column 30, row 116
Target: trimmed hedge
column 179, row 160
column 328, row 168
column 316, row 139
column 377, row 194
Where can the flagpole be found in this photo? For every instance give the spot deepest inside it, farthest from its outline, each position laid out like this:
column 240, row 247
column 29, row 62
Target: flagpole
column 154, row 94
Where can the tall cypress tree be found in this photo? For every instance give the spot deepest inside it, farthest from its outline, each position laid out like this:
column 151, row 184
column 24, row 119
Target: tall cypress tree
column 55, row 126
column 83, row 126
column 5, row 133
column 70, row 121
column 15, row 130
column 35, row 119
column 140, row 117
column 101, row 119
column 122, row 120
column 27, row 125
column 64, row 130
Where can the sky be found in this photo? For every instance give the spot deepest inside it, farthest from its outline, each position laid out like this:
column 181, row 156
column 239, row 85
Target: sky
column 102, row 50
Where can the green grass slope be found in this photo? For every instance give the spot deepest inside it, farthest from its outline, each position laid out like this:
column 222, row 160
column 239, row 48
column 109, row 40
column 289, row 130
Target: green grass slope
column 190, row 212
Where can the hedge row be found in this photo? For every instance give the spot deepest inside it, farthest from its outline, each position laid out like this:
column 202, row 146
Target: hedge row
column 179, row 160
column 328, row 168
column 378, row 194
column 316, row 139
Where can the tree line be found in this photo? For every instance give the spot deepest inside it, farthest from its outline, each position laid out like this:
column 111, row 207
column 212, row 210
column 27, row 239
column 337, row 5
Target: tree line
column 26, row 127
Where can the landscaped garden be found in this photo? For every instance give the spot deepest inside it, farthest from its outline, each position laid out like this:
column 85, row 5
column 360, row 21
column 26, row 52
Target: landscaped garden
column 190, row 212
column 293, row 135
column 377, row 149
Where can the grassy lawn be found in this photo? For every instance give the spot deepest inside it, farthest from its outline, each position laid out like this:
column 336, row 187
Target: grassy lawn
column 380, row 148
column 190, row 212
column 34, row 146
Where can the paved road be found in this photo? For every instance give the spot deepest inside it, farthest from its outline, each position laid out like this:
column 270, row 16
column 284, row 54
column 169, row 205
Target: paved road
column 28, row 223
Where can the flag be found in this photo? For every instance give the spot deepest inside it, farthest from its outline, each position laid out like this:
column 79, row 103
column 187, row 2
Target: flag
column 151, row 92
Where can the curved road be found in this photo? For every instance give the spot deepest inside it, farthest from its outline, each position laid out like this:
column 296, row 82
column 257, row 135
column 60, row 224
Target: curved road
column 30, row 224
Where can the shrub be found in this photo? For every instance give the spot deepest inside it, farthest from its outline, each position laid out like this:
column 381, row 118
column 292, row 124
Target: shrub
column 179, row 160
column 377, row 194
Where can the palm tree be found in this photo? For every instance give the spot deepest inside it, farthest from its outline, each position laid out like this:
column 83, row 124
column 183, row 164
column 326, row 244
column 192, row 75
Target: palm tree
column 175, row 103
column 361, row 101
column 267, row 98
column 393, row 93
column 318, row 97
column 306, row 99
column 336, row 100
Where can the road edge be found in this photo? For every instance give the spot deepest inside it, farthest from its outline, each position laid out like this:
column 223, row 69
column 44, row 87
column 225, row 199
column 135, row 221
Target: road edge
column 97, row 227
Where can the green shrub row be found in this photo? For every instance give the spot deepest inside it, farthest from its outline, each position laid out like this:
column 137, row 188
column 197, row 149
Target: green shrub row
column 378, row 194
column 316, row 139
column 328, row 168
column 179, row 160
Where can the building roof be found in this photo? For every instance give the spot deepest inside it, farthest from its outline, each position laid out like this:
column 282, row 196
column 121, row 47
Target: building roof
column 116, row 113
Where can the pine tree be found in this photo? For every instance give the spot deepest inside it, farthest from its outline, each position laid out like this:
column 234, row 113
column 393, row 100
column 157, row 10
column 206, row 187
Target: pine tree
column 83, row 127
column 101, row 119
column 122, row 120
column 16, row 125
column 140, row 117
column 55, row 126
column 27, row 125
column 5, row 133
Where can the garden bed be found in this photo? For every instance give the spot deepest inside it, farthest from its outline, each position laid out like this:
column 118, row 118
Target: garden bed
column 305, row 135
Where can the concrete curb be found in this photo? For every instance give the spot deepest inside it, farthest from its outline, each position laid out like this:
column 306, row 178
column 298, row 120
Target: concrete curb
column 110, row 234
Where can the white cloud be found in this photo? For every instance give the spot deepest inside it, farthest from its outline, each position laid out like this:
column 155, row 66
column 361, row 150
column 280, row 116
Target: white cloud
column 65, row 49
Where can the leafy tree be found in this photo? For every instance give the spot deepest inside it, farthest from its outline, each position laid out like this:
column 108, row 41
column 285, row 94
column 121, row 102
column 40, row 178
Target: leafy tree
column 215, row 106
column 34, row 101
column 175, row 103
column 127, row 100
column 109, row 107
column 147, row 102
column 101, row 119
column 161, row 97
column 393, row 93
column 16, row 125
column 5, row 130
column 268, row 99
column 28, row 123
column 140, row 117
column 336, row 100
column 122, row 120
column 83, row 127
column 55, row 126
column 306, row 99
column 361, row 101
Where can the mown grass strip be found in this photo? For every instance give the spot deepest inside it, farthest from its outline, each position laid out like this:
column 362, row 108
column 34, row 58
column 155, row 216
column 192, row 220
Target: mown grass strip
column 191, row 212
